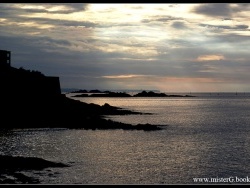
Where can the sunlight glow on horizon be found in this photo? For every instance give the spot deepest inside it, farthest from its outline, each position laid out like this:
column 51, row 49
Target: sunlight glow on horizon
column 210, row 58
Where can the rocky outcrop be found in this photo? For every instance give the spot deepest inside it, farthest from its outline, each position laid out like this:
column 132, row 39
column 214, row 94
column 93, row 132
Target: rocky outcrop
column 153, row 94
column 123, row 94
column 150, row 94
column 17, row 163
column 12, row 167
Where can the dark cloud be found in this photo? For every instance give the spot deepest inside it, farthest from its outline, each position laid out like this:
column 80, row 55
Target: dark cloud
column 179, row 25
column 137, row 7
column 51, row 41
column 53, row 22
column 15, row 14
column 230, row 38
column 236, row 27
column 29, row 46
column 214, row 10
column 53, row 52
column 224, row 10
column 8, row 11
column 44, row 54
column 227, row 19
column 61, row 22
column 240, row 7
column 160, row 19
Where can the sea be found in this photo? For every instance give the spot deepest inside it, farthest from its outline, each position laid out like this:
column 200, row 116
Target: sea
column 204, row 140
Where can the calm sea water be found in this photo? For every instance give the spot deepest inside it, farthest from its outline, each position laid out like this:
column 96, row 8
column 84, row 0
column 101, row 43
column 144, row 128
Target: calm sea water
column 203, row 137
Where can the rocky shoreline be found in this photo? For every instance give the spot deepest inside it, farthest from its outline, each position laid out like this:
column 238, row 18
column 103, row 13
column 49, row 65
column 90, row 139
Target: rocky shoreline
column 11, row 168
column 62, row 112
column 30, row 99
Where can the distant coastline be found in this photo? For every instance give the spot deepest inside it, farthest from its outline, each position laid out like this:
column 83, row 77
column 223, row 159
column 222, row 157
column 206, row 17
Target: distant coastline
column 98, row 93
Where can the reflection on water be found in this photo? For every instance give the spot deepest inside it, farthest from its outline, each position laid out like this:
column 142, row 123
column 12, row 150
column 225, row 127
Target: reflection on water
column 203, row 138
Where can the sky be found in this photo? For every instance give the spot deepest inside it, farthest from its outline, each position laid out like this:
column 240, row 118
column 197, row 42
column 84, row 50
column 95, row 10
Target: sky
column 167, row 47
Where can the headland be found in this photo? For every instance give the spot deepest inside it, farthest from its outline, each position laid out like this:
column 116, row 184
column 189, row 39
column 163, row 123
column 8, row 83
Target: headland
column 29, row 99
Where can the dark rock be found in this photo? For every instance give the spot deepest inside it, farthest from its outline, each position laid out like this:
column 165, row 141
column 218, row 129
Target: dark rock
column 26, row 163
column 153, row 94
column 81, row 95
column 95, row 91
column 21, row 178
column 150, row 94
column 11, row 167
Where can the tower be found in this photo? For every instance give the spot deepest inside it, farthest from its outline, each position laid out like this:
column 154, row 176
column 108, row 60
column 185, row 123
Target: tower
column 5, row 57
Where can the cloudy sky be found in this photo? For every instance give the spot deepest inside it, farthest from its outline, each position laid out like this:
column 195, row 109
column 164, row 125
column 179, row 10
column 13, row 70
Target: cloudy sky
column 169, row 47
